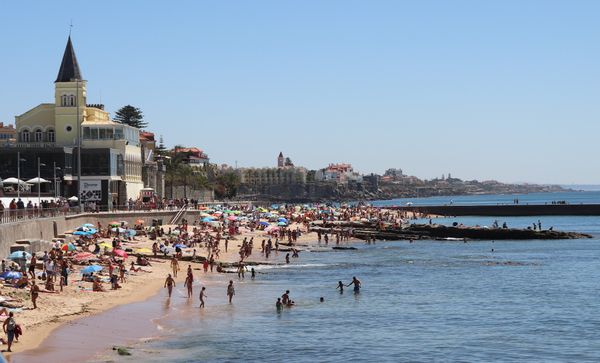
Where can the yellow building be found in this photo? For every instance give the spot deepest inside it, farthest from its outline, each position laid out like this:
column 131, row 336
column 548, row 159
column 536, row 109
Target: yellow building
column 111, row 153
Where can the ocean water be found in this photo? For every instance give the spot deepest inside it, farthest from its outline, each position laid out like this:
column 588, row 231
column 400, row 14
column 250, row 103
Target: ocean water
column 585, row 197
column 427, row 301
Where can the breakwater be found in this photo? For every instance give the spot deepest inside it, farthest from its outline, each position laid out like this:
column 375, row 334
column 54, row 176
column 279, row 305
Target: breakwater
column 515, row 210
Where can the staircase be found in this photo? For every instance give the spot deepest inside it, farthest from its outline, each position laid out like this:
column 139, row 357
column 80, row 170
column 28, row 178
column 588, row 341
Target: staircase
column 179, row 215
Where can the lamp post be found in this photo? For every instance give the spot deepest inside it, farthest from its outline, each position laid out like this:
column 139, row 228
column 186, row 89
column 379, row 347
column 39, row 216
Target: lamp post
column 19, row 174
column 55, row 181
column 39, row 184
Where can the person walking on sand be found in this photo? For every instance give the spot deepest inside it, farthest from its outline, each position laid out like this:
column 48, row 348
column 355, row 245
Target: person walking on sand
column 189, row 280
column 230, row 291
column 169, row 284
column 202, row 296
column 35, row 292
column 174, row 265
column 9, row 327
column 356, row 284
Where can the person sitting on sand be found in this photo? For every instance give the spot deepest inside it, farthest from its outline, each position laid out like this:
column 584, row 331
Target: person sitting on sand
column 22, row 282
column 97, row 285
column 49, row 284
column 142, row 261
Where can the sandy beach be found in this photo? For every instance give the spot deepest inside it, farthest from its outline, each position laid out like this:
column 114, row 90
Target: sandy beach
column 74, row 302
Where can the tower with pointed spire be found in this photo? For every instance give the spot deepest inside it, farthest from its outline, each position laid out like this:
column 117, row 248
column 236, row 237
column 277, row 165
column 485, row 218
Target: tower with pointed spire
column 70, row 92
column 280, row 160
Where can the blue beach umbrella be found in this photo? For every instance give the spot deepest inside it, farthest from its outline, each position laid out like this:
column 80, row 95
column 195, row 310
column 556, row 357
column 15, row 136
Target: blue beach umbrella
column 180, row 246
column 282, row 224
column 132, row 232
column 282, row 220
column 19, row 254
column 88, row 225
column 11, row 275
column 266, row 224
column 207, row 219
column 91, row 269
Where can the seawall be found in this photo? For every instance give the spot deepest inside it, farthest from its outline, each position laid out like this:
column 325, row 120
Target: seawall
column 508, row 210
column 48, row 228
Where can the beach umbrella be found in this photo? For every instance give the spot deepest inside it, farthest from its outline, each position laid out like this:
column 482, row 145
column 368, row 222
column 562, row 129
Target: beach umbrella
column 73, row 199
column 282, row 220
column 91, row 269
column 204, row 215
column 19, row 254
column 131, row 232
column 84, row 256
column 282, row 224
column 114, row 224
column 180, row 246
column 207, row 219
column 266, row 224
column 118, row 229
column 11, row 275
column 68, row 247
column 37, row 181
column 82, row 233
column 124, row 223
column 139, row 221
column 232, row 218
column 88, row 225
column 13, row 181
column 272, row 228
column 120, row 253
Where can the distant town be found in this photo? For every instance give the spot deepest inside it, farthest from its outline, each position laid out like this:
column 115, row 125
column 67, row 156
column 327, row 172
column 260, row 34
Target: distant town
column 122, row 161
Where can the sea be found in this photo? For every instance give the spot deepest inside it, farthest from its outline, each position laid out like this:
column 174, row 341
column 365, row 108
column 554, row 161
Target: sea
column 426, row 301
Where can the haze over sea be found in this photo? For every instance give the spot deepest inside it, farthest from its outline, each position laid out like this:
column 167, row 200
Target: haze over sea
column 421, row 302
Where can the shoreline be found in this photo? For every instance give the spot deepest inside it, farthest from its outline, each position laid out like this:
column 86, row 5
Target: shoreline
column 138, row 289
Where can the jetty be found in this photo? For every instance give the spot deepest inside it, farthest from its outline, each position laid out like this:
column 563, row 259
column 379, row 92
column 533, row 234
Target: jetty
column 504, row 210
column 368, row 230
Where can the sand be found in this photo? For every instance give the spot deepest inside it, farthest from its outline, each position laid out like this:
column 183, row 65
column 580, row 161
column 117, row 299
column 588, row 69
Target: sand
column 74, row 303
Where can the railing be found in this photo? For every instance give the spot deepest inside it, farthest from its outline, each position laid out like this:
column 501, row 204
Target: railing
column 21, row 215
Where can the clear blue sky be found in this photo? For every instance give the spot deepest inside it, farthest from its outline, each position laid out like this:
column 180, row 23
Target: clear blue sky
column 505, row 90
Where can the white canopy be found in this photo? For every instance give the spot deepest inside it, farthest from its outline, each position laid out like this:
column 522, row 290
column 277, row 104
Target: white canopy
column 73, row 199
column 38, row 181
column 13, row 181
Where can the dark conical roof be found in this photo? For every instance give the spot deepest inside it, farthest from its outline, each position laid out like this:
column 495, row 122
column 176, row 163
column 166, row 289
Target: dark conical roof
column 69, row 68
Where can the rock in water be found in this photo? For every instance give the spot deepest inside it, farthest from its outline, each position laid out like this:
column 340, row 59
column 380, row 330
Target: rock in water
column 122, row 350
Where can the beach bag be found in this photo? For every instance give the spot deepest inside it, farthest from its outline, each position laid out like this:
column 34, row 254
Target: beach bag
column 11, row 325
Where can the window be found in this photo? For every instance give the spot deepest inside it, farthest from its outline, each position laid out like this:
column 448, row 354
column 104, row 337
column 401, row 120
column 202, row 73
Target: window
column 63, row 100
column 72, row 100
column 51, row 135
column 102, row 134
column 25, row 136
column 38, row 135
column 87, row 133
column 94, row 135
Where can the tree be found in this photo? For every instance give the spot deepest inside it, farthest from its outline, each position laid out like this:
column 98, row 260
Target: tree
column 160, row 150
column 131, row 116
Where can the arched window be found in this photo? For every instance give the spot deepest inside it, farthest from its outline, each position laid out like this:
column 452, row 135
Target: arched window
column 25, row 136
column 63, row 100
column 72, row 98
column 51, row 135
column 38, row 135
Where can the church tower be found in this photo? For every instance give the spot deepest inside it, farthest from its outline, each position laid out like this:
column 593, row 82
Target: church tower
column 70, row 91
column 280, row 160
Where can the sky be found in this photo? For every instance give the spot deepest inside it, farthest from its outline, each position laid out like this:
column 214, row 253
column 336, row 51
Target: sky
column 504, row 90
